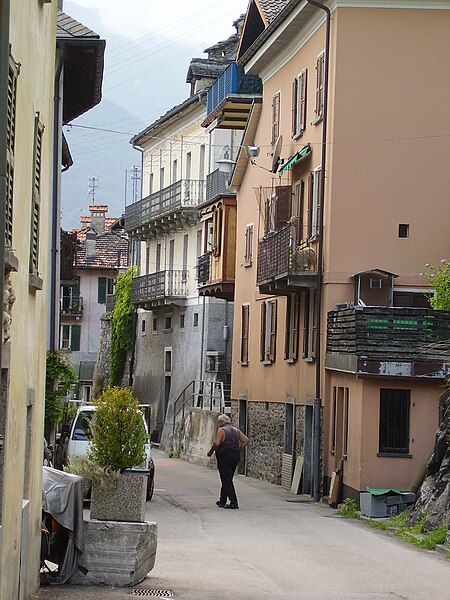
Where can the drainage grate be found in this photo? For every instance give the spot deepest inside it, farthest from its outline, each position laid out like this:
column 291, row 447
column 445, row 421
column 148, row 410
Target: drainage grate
column 153, row 593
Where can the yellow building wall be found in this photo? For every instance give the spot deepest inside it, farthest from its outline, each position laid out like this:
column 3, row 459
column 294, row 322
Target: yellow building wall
column 33, row 42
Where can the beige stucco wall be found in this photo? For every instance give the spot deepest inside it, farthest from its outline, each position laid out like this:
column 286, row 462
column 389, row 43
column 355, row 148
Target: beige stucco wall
column 32, row 37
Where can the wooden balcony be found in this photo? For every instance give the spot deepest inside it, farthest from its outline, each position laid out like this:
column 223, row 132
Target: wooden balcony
column 285, row 265
column 166, row 210
column 160, row 289
column 389, row 342
column 229, row 100
column 71, row 307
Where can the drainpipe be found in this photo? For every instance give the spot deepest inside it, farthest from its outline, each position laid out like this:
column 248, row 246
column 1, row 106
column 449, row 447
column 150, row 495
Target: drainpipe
column 56, row 202
column 4, row 72
column 317, row 400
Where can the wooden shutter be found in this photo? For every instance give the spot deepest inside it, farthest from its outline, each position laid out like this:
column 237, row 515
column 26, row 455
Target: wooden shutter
column 244, row 334
column 309, row 212
column 36, row 195
column 318, row 208
column 101, row 295
column 305, row 325
column 312, row 307
column 295, row 96
column 13, row 73
column 302, row 100
column 287, row 330
column 75, row 338
column 300, row 208
column 273, row 330
column 262, row 341
column 292, row 327
column 283, row 205
column 319, row 84
column 275, row 117
column 295, row 326
column 248, row 245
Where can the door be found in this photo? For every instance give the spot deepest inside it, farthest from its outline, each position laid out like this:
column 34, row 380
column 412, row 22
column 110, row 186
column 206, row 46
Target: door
column 243, row 426
column 287, row 463
column 307, row 465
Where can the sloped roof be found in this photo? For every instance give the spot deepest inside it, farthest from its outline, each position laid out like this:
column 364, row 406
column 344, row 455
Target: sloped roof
column 111, row 252
column 86, row 224
column 271, row 8
column 69, row 28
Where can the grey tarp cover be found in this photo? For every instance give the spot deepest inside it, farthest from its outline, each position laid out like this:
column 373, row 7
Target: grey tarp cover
column 62, row 497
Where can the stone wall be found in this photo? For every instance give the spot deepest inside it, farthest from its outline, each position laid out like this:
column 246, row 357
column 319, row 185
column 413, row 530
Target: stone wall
column 194, row 437
column 101, row 372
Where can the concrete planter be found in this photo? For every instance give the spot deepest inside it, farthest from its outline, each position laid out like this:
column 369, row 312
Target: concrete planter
column 121, row 501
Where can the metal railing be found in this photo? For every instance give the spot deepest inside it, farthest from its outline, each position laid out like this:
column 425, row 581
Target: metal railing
column 217, row 184
column 163, row 284
column 232, row 81
column 396, row 333
column 186, row 193
column 199, row 394
column 281, row 253
column 204, row 268
column 71, row 306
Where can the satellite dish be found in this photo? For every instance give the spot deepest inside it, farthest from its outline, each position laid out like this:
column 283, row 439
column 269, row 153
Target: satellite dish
column 276, row 154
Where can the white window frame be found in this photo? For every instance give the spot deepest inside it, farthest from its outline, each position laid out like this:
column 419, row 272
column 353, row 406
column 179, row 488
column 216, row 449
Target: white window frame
column 269, row 306
column 299, row 126
column 318, row 116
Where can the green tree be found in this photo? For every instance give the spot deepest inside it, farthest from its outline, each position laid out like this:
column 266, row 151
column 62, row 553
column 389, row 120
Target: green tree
column 121, row 326
column 60, row 377
column 119, row 435
column 439, row 278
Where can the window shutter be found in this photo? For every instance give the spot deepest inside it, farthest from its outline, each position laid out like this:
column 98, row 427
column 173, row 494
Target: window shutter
column 302, row 95
column 244, row 334
column 312, row 307
column 287, row 331
column 309, row 212
column 248, row 245
column 305, row 325
column 295, row 96
column 318, row 208
column 101, row 297
column 295, row 326
column 13, row 73
column 319, row 85
column 283, row 206
column 275, row 118
column 262, row 343
column 75, row 338
column 273, row 331
column 36, row 195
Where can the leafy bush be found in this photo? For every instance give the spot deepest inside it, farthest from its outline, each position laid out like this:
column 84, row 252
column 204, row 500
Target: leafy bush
column 439, row 278
column 121, row 326
column 119, row 435
column 85, row 467
column 349, row 509
column 60, row 377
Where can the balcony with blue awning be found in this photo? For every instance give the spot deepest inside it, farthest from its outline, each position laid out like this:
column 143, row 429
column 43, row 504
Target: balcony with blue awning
column 230, row 99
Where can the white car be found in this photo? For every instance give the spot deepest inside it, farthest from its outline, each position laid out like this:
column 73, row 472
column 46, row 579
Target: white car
column 80, row 437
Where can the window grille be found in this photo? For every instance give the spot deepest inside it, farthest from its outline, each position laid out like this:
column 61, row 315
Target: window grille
column 13, row 74
column 36, row 195
column 394, row 421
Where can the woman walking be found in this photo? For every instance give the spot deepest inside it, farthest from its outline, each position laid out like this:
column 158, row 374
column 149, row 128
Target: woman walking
column 227, row 446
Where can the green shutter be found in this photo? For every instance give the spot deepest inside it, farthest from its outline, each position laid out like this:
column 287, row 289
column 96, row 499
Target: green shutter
column 36, row 195
column 75, row 338
column 102, row 290
column 13, row 73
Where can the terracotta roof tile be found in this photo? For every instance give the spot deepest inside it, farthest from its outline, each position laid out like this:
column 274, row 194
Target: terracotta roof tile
column 111, row 252
column 272, row 8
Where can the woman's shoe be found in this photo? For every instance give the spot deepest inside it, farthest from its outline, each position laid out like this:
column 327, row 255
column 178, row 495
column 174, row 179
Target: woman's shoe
column 233, row 506
column 220, row 504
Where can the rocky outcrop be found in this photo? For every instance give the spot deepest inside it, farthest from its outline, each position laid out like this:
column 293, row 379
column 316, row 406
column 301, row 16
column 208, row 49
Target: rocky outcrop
column 433, row 500
column 101, row 373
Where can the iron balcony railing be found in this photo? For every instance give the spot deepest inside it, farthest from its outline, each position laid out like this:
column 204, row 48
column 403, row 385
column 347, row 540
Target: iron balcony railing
column 281, row 253
column 186, row 193
column 207, row 395
column 164, row 284
column 217, row 184
column 204, row 268
column 71, row 306
column 232, row 81
column 394, row 333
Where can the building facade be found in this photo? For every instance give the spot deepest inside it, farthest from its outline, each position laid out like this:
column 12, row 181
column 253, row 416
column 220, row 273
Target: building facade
column 330, row 302
column 101, row 255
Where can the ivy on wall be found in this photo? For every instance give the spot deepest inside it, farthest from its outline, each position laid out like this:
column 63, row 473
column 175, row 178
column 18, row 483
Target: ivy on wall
column 60, row 377
column 439, row 277
column 121, row 326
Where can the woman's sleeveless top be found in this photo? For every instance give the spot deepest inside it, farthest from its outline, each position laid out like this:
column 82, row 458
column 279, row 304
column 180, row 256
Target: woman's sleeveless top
column 231, row 441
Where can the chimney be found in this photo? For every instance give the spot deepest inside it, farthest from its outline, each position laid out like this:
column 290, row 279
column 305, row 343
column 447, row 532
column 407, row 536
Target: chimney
column 91, row 236
column 60, row 5
column 98, row 217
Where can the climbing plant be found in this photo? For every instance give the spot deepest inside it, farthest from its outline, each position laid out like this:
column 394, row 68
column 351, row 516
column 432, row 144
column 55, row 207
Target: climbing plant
column 439, row 278
column 121, row 326
column 59, row 379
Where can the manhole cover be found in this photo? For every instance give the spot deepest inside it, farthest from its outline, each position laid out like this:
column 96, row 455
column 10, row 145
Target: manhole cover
column 153, row 593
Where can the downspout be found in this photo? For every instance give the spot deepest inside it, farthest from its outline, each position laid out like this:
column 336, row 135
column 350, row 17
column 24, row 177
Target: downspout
column 318, row 349
column 56, row 203
column 4, row 72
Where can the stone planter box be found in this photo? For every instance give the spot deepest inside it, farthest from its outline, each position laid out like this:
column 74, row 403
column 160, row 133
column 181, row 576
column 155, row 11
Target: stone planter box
column 123, row 501
column 116, row 554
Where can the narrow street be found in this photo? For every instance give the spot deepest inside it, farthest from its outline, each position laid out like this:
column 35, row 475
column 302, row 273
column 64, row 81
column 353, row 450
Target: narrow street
column 270, row 548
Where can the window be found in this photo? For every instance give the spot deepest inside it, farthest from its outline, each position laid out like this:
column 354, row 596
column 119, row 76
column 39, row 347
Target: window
column 188, row 165
column 70, row 337
column 150, row 184
column 171, row 254
column 158, row 258
column 201, row 167
column 155, row 325
column 268, row 331
column 298, row 210
column 182, row 320
column 412, row 298
column 299, row 105
column 161, row 178
column 320, row 75
column 168, row 360
column 276, row 117
column 339, row 422
column 309, row 326
column 315, row 186
column 143, row 326
column 217, row 231
column 394, row 421
column 13, row 74
column 196, row 319
column 199, row 243
column 292, row 328
column 36, row 195
column 110, row 286
column 106, row 287
column 244, row 334
column 333, row 421
column 345, row 423
column 248, row 258
column 70, row 297
column 277, row 209
column 147, row 259
column 185, row 256
column 174, row 171
column 403, row 230
column 167, row 323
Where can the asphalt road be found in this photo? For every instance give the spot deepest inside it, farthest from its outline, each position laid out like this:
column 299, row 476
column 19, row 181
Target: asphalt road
column 270, row 548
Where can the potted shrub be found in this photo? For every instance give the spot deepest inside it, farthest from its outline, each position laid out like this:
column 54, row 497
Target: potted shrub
column 118, row 444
